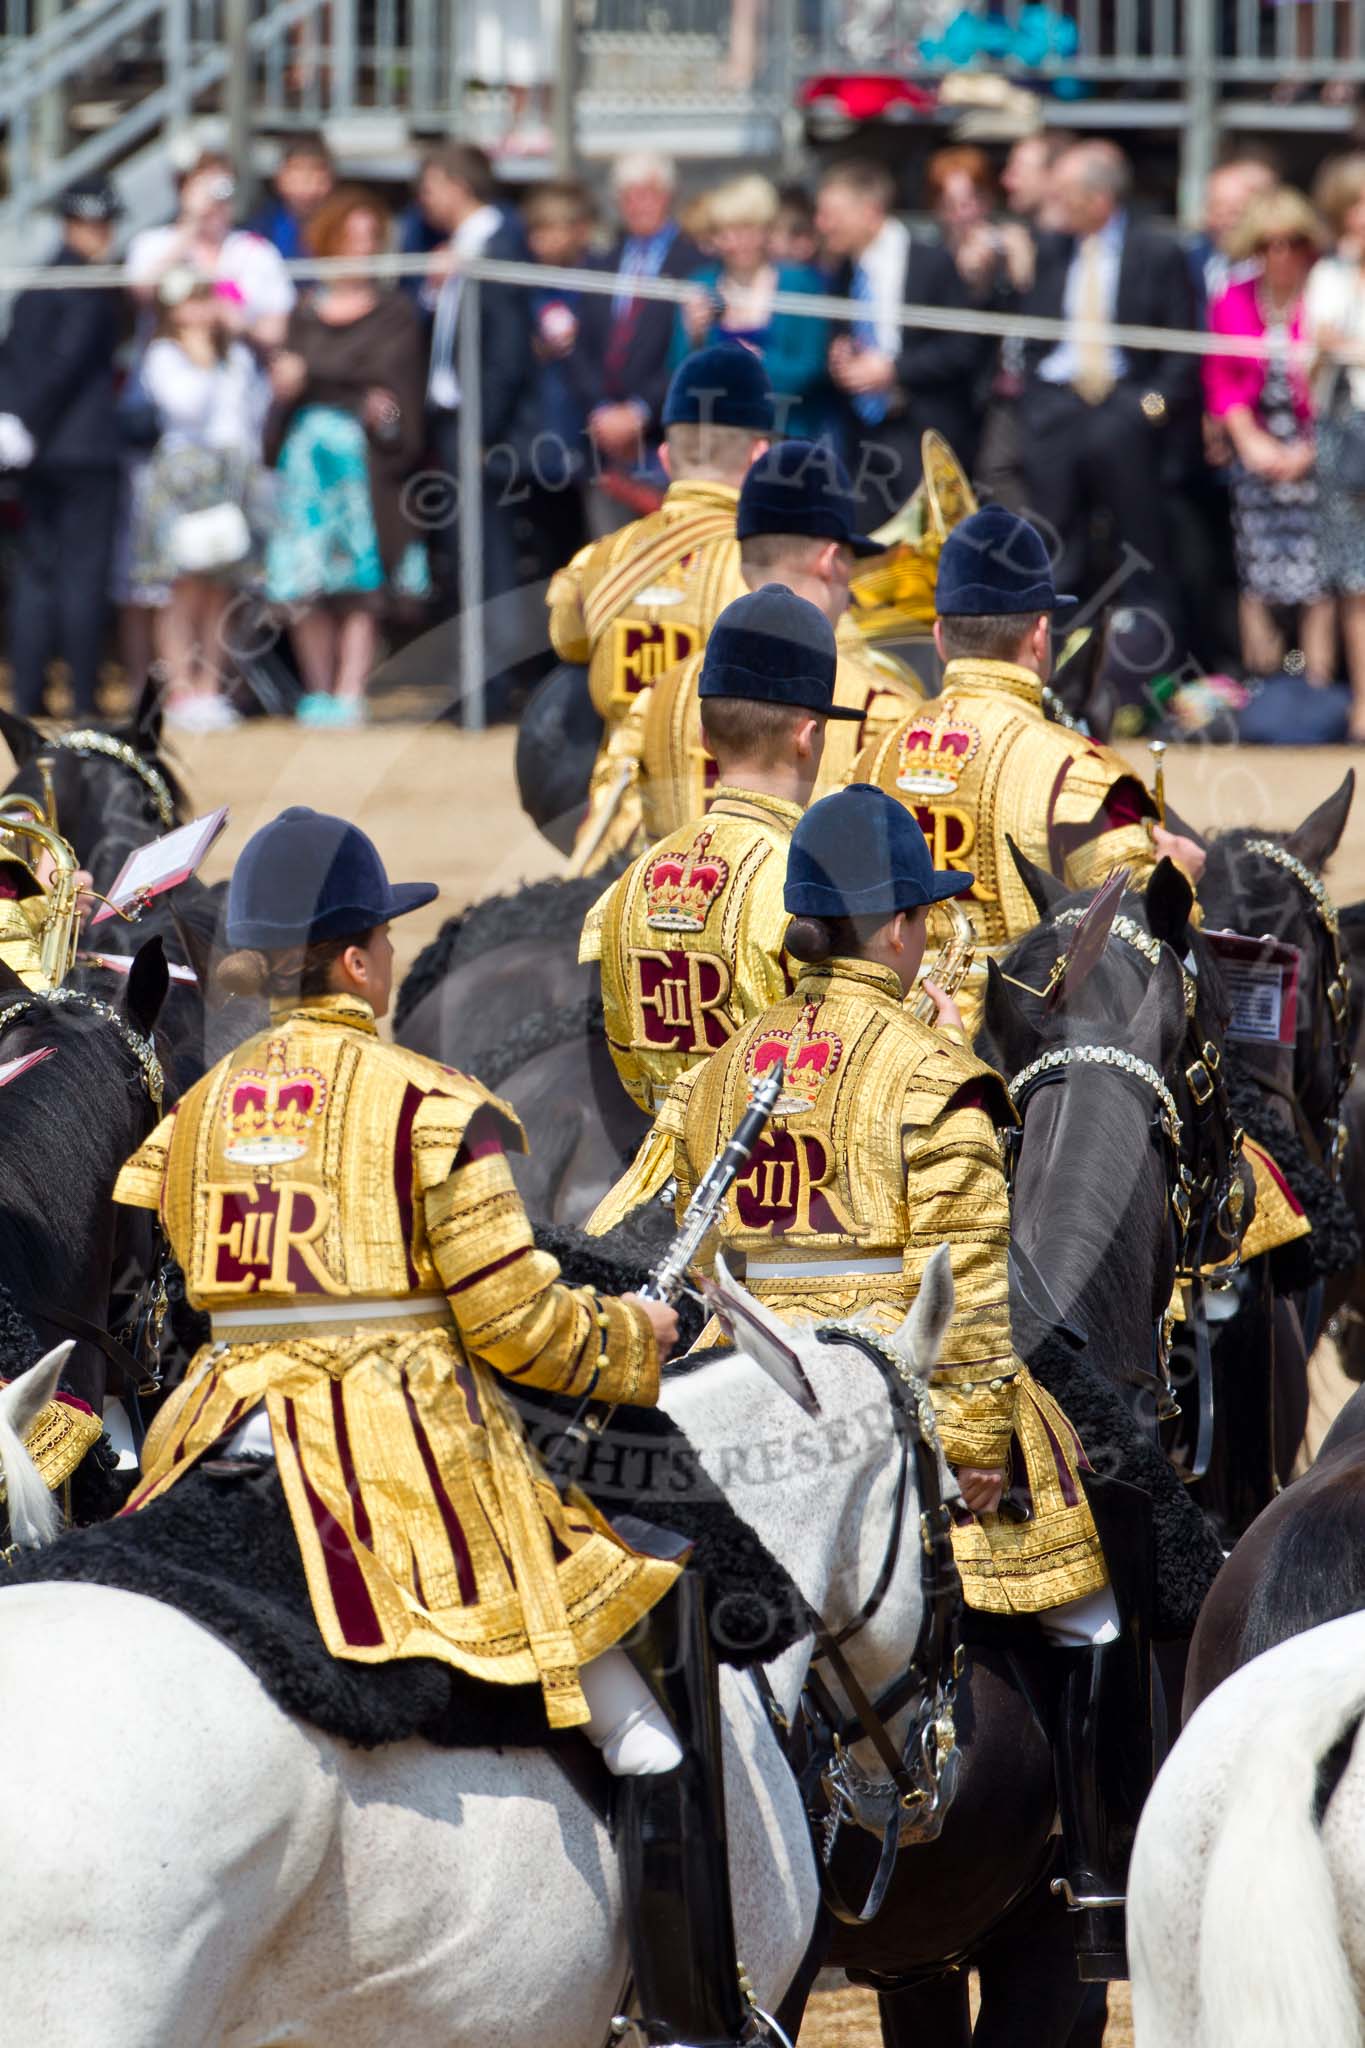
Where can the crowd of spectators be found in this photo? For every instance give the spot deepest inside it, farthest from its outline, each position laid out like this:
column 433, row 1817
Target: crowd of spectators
column 235, row 433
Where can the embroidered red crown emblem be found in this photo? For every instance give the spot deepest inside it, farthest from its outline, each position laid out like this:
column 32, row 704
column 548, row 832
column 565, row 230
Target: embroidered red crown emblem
column 811, row 1056
column 270, row 1111
column 681, row 887
column 935, row 753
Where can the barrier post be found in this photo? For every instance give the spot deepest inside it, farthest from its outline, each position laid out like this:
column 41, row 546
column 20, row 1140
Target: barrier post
column 469, row 507
column 1199, row 138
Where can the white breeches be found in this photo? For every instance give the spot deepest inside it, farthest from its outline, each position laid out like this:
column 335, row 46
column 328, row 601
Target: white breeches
column 628, row 1725
column 1083, row 1624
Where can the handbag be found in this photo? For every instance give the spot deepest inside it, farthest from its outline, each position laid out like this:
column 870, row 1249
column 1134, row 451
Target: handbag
column 216, row 538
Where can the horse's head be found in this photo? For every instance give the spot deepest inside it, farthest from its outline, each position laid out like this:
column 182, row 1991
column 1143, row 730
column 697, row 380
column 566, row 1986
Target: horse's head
column 112, row 788
column 1269, row 883
column 822, row 1437
column 69, row 1118
column 1096, row 1158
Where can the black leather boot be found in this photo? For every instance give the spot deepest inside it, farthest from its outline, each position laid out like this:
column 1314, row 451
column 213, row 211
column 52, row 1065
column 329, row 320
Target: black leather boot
column 1104, row 1744
column 671, row 1846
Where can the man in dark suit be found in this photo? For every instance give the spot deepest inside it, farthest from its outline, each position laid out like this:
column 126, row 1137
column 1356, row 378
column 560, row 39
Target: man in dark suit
column 619, row 366
column 894, row 381
column 1105, row 429
column 59, row 428
column 457, row 197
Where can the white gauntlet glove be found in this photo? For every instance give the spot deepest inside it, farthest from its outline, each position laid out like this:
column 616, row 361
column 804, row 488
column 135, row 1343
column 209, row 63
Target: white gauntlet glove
column 17, row 446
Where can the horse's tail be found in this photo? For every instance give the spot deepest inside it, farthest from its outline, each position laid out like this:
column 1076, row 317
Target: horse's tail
column 1272, row 1969
column 34, row 1516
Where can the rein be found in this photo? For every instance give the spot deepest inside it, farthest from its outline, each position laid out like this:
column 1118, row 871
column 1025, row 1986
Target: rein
column 923, row 1773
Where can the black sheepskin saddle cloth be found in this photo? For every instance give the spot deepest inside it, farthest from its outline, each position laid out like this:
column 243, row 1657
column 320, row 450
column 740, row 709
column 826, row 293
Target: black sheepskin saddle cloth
column 222, row 1550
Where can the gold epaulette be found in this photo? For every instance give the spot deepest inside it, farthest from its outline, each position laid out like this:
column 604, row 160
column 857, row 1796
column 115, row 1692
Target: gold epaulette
column 142, row 1178
column 648, row 1174
column 444, row 1115
column 1278, row 1218
column 944, row 1069
column 59, row 1438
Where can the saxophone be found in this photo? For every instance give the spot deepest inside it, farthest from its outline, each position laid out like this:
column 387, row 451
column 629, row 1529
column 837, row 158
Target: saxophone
column 951, row 964
column 23, row 817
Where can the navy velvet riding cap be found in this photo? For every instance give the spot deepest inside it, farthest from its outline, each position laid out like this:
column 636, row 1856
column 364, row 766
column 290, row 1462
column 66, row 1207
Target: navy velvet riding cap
column 721, row 386
column 858, row 853
column 773, row 647
column 308, row 876
column 801, row 487
column 995, row 564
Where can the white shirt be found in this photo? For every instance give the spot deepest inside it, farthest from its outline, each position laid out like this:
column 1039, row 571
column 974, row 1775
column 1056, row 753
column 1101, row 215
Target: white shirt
column 1062, row 364
column 217, row 407
column 884, row 260
column 1335, row 301
column 470, row 238
column 253, row 266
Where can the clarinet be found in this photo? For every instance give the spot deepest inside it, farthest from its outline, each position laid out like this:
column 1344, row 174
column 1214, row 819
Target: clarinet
column 669, row 1277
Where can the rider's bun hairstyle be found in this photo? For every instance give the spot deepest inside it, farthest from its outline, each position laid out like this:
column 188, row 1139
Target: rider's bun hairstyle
column 814, row 939
column 297, row 971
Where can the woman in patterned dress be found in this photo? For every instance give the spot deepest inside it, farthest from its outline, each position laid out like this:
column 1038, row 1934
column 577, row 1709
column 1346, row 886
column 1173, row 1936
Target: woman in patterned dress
column 1266, row 409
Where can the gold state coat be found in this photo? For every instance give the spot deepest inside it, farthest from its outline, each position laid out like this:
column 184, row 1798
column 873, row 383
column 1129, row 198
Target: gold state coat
column 345, row 1212
column 883, row 1147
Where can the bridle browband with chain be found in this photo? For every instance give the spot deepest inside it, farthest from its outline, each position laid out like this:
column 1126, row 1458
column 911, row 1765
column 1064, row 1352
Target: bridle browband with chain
column 89, row 741
column 1335, row 992
column 922, row 1774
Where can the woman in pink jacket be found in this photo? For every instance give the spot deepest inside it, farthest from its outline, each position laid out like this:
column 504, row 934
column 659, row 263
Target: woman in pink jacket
column 1265, row 406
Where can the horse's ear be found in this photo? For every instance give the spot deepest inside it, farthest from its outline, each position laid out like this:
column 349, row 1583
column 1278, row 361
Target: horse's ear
column 148, row 980
column 197, row 946
column 919, row 1339
column 1159, row 1024
column 24, row 740
column 145, row 733
column 1047, row 892
column 1169, row 900
column 1316, row 839
column 1013, row 1037
column 10, row 984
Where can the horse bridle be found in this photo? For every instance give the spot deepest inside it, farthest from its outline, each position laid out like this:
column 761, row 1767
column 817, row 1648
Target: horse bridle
column 1335, row 994
column 922, row 1774
column 88, row 742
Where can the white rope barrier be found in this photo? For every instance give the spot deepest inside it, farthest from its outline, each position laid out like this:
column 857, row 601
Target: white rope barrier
column 810, row 306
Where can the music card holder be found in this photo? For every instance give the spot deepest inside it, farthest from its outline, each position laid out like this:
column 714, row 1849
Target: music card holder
column 1261, row 976
column 1087, row 942
column 160, row 865
column 122, row 963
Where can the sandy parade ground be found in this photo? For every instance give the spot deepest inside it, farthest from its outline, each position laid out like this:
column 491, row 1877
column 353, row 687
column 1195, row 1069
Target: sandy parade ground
column 442, row 806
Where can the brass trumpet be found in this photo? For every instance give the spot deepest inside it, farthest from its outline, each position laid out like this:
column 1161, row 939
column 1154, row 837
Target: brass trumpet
column 24, row 817
column 893, row 594
column 951, row 964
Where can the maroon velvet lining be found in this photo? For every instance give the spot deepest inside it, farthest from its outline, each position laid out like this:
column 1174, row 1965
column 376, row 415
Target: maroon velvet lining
column 350, row 1594
column 495, row 1266
column 1067, row 1483
column 482, row 1138
column 455, row 1536
column 402, row 1172
column 364, row 1534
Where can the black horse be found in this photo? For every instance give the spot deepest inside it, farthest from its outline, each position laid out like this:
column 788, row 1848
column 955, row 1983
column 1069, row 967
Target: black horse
column 500, row 994
column 67, row 1125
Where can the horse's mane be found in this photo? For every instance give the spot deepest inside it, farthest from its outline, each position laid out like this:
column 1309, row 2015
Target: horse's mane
column 538, row 910
column 90, row 1083
column 538, row 1033
column 1314, row 1571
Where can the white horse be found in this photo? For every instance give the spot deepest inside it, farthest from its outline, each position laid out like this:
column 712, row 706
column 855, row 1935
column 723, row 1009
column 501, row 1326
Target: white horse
column 1246, row 1903
column 191, row 1868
